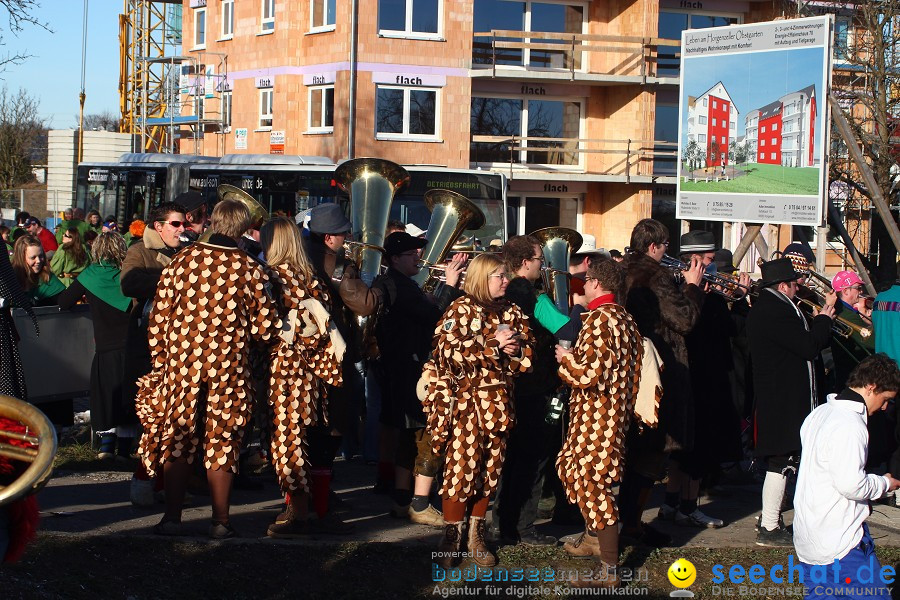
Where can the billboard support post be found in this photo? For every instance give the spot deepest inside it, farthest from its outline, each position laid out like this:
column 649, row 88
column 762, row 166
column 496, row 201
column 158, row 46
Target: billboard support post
column 877, row 197
column 749, row 237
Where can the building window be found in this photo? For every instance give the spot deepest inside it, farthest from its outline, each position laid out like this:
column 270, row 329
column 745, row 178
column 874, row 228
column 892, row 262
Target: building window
column 704, row 101
column 321, row 13
column 702, row 138
column 227, row 19
column 200, row 28
column 553, row 129
column 702, row 120
column 722, row 139
column 762, row 129
column 406, row 112
column 714, row 122
column 199, row 107
column 265, row 107
column 772, row 156
column 715, row 104
column 732, row 125
column 405, row 17
column 762, row 142
column 226, row 109
column 774, row 126
column 268, row 15
column 321, row 109
column 774, row 142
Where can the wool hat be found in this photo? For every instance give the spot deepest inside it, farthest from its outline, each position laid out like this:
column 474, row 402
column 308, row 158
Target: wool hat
column 698, row 241
column 328, row 218
column 778, row 271
column 191, row 201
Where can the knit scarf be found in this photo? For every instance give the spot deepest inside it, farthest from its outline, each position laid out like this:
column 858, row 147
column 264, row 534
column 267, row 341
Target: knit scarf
column 102, row 280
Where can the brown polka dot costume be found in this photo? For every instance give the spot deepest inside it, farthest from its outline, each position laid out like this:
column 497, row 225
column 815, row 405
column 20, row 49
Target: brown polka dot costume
column 299, row 371
column 603, row 371
column 210, row 303
column 467, row 396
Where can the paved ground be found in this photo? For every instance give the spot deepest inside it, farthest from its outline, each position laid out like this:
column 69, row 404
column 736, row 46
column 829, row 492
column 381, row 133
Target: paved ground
column 96, row 503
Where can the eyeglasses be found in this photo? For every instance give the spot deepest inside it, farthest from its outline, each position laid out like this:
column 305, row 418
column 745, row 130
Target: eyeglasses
column 66, row 236
column 175, row 224
column 500, row 275
column 586, row 279
column 540, row 258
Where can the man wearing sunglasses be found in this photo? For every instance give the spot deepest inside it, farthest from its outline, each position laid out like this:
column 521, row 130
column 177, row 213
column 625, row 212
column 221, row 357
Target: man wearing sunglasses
column 141, row 270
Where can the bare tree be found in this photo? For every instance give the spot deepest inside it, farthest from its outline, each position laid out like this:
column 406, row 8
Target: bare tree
column 865, row 82
column 21, row 132
column 19, row 14
column 105, row 121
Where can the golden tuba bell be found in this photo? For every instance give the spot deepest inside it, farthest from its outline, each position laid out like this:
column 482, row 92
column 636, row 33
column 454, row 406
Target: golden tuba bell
column 451, row 214
column 258, row 213
column 558, row 244
column 40, row 452
column 371, row 184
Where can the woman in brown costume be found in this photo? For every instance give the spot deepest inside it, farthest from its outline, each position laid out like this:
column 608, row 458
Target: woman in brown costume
column 304, row 358
column 211, row 303
column 481, row 344
column 603, row 371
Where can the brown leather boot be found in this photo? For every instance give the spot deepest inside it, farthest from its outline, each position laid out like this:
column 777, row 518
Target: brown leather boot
column 608, row 542
column 449, row 551
column 476, row 545
column 586, row 546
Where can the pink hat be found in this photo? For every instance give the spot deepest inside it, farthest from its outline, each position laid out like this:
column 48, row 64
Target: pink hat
column 845, row 279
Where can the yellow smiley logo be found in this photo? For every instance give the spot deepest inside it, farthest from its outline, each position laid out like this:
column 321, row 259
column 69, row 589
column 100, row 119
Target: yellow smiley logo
column 682, row 573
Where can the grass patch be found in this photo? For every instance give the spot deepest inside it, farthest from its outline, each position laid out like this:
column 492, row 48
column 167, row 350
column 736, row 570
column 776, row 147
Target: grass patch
column 75, row 453
column 140, row 567
column 763, row 179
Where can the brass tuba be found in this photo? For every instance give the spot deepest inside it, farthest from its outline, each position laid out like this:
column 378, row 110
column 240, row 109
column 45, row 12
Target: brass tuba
column 451, row 214
column 40, row 435
column 558, row 243
column 371, row 184
column 258, row 213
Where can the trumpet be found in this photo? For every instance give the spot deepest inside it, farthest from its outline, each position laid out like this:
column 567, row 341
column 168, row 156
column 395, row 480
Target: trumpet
column 439, row 273
column 723, row 284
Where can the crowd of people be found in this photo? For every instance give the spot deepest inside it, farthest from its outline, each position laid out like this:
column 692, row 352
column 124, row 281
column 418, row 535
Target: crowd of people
column 210, row 326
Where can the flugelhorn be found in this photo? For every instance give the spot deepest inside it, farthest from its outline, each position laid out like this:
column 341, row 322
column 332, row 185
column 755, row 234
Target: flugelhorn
column 371, row 184
column 558, row 244
column 39, row 448
column 451, row 214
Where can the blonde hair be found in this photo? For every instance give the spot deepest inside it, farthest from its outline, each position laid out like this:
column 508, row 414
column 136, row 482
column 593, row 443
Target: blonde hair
column 230, row 218
column 478, row 275
column 109, row 247
column 281, row 243
column 28, row 278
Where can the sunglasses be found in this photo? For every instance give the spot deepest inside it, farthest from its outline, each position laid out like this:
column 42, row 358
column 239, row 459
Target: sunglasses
column 175, row 224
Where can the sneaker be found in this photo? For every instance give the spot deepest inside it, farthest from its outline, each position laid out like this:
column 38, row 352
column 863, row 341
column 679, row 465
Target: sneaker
column 167, row 528
column 400, row 511
column 666, row 512
column 141, row 492
column 331, row 524
column 284, row 516
column 290, row 529
column 533, row 538
column 781, row 524
column 779, row 537
column 221, row 531
column 430, row 516
column 698, row 519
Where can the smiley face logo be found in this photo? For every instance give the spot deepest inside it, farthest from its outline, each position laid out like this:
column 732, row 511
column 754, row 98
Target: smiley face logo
column 682, row 573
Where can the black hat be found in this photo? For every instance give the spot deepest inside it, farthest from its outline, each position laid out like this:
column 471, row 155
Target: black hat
column 328, row 218
column 778, row 271
column 32, row 221
column 400, row 242
column 725, row 261
column 191, row 201
column 698, row 241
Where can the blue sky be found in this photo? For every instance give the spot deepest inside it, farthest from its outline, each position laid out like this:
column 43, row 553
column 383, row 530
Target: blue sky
column 756, row 79
column 53, row 73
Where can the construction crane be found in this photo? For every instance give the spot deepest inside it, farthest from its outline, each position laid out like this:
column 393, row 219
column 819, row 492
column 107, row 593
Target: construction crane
column 149, row 42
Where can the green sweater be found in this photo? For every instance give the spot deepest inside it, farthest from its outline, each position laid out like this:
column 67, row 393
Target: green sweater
column 53, row 287
column 62, row 264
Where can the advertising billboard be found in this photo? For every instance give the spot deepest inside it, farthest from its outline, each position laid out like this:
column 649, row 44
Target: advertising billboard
column 753, row 126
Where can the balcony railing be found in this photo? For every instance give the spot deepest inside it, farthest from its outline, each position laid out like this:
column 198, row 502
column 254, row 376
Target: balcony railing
column 614, row 55
column 622, row 158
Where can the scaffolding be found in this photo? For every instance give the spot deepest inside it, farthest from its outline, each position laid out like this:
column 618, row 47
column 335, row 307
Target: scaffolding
column 164, row 96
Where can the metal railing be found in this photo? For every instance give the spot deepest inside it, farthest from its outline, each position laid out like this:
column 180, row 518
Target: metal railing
column 575, row 52
column 38, row 202
column 625, row 158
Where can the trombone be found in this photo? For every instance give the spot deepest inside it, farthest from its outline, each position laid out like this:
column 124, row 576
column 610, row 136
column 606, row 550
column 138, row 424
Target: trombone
column 839, row 325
